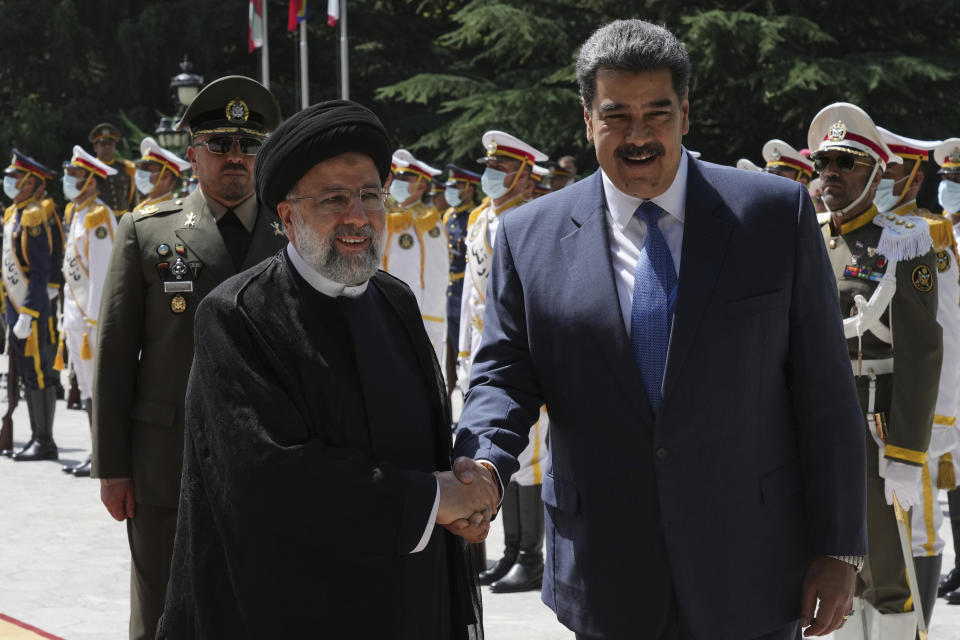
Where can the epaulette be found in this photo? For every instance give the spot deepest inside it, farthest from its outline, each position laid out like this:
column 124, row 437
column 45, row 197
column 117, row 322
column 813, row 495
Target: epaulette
column 904, row 237
column 446, row 215
column 426, row 220
column 11, row 210
column 98, row 216
column 49, row 206
column 170, row 206
column 33, row 214
column 476, row 213
column 941, row 231
column 68, row 213
column 129, row 167
column 399, row 220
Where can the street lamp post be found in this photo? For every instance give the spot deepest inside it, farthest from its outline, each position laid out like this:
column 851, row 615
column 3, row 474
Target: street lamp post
column 185, row 87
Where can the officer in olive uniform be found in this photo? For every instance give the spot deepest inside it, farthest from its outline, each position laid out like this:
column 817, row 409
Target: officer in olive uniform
column 32, row 250
column 886, row 271
column 117, row 190
column 165, row 259
column 460, row 192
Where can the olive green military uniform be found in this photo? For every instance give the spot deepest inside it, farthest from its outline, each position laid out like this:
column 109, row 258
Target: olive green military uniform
column 898, row 406
column 118, row 191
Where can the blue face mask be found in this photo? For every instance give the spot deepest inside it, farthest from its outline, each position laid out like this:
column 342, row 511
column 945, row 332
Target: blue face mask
column 70, row 189
column 949, row 195
column 10, row 187
column 452, row 196
column 192, row 186
column 142, row 179
column 885, row 199
column 400, row 190
column 492, row 183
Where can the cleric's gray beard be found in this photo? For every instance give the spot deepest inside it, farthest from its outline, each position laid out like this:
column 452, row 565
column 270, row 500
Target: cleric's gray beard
column 320, row 253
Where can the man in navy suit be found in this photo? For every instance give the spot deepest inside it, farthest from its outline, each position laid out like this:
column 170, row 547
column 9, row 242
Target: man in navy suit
column 686, row 314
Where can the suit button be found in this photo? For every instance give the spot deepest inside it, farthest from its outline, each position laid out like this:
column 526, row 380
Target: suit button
column 662, row 453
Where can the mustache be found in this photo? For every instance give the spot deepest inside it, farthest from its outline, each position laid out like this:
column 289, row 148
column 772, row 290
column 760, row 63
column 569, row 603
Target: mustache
column 367, row 231
column 627, row 150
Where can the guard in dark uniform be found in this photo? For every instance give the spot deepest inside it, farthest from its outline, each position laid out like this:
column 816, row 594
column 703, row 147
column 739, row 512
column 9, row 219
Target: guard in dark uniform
column 166, row 258
column 460, row 193
column 117, row 191
column 886, row 271
column 32, row 251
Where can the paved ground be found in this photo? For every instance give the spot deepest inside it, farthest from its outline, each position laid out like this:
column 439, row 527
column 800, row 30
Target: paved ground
column 64, row 563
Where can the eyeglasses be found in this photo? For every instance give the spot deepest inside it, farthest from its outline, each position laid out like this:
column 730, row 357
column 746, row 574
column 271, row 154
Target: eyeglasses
column 844, row 163
column 222, row 145
column 336, row 201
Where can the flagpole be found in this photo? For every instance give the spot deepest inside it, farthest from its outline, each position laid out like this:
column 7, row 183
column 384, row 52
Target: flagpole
column 265, row 50
column 304, row 83
column 344, row 66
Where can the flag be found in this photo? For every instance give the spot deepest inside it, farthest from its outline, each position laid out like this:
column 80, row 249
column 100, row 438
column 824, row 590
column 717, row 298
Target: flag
column 333, row 12
column 298, row 13
column 255, row 38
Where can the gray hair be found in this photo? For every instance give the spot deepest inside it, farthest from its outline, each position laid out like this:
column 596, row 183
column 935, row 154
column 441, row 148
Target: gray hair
column 631, row 45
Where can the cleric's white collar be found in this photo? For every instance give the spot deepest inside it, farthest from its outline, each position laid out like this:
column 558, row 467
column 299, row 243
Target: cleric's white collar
column 324, row 285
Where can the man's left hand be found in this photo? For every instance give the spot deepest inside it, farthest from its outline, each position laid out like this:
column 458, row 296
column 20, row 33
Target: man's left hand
column 832, row 582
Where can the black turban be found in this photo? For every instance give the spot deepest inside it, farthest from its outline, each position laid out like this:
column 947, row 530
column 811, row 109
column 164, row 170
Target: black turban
column 315, row 134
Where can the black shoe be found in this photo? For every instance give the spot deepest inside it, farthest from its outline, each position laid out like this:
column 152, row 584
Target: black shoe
column 37, row 450
column 82, row 470
column 498, row 570
column 7, row 453
column 950, row 582
column 525, row 575
column 952, row 597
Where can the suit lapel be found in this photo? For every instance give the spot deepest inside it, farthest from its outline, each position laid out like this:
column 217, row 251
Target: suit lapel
column 198, row 230
column 586, row 251
column 705, row 238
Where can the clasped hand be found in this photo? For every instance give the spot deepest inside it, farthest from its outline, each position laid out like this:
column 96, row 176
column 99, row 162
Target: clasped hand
column 468, row 499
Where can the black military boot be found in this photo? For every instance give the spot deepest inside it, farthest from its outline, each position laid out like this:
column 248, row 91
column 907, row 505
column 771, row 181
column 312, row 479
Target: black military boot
column 928, row 574
column 42, row 447
column 82, row 470
column 33, row 412
column 510, row 515
column 949, row 582
column 527, row 573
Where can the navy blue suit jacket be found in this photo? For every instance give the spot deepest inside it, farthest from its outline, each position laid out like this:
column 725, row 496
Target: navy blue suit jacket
column 755, row 463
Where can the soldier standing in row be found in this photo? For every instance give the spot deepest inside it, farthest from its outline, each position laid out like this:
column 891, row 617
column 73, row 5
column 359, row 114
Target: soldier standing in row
column 118, row 190
column 158, row 173
column 91, row 228
column 783, row 160
column 166, row 258
column 886, row 272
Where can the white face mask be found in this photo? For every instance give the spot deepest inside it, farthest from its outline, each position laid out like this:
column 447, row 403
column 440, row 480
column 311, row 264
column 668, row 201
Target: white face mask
column 71, row 187
column 492, row 183
column 949, row 195
column 452, row 196
column 10, row 187
column 885, row 199
column 400, row 190
column 142, row 179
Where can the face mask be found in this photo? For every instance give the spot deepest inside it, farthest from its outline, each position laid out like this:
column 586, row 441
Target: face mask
column 492, row 183
column 949, row 195
column 400, row 190
column 885, row 198
column 452, row 196
column 71, row 190
column 192, row 186
column 10, row 187
column 142, row 179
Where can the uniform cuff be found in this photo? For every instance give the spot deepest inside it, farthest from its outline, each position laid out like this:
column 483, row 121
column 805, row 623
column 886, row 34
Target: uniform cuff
column 908, row 456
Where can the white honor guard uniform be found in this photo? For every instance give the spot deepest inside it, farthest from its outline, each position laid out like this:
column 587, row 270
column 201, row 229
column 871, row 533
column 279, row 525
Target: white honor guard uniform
column 91, row 227
column 481, row 234
column 783, row 160
column 416, row 249
column 154, row 164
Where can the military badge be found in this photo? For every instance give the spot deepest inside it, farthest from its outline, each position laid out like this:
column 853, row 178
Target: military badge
column 435, row 232
column 406, row 241
column 871, row 251
column 837, row 132
column 882, row 262
column 195, row 268
column 179, row 269
column 34, row 231
column 178, row 304
column 955, row 155
column 163, row 268
column 277, row 229
column 922, row 278
column 101, row 232
column 491, row 148
column 191, row 221
column 146, row 211
column 180, row 249
column 775, row 155
column 943, row 261
column 163, row 250
column 237, row 110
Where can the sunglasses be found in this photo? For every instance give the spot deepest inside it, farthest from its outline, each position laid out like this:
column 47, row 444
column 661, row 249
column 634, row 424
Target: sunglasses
column 844, row 163
column 222, row 145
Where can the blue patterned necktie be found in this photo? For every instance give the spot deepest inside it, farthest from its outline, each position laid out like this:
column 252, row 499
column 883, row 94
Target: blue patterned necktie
column 654, row 295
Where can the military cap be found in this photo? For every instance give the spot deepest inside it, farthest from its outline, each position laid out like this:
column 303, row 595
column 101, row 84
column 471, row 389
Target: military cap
column 695, row 154
column 404, row 162
column 437, row 186
column 150, row 151
column 846, row 127
column 501, row 144
column 779, row 154
column 22, row 162
column 232, row 104
column 558, row 171
column 747, row 165
column 539, row 173
column 102, row 131
column 81, row 158
column 947, row 155
column 908, row 148
column 457, row 174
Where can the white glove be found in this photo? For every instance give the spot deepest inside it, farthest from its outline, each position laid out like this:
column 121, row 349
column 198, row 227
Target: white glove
column 52, row 292
column 22, row 328
column 904, row 479
column 942, row 439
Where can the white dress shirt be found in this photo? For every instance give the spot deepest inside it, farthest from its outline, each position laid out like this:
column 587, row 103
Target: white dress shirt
column 628, row 232
column 328, row 287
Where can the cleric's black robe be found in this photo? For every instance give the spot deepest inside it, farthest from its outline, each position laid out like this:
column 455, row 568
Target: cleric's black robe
column 303, row 491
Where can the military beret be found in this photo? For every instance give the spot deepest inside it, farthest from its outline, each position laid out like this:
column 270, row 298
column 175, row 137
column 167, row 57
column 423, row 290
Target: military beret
column 104, row 130
column 317, row 133
column 232, row 104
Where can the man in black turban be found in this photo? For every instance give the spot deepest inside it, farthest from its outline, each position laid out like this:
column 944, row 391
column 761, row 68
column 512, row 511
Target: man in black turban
column 316, row 421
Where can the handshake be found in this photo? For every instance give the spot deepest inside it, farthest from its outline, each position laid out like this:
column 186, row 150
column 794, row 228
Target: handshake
column 469, row 495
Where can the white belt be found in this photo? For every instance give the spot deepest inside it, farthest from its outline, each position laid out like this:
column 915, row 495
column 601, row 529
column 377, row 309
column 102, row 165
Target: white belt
column 875, row 367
